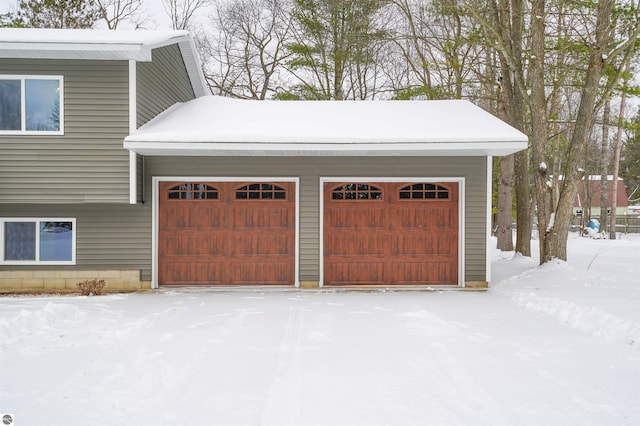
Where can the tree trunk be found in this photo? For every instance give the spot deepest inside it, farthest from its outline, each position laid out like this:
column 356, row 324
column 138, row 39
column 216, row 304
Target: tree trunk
column 538, row 107
column 512, row 99
column 604, row 164
column 616, row 167
column 524, row 214
column 554, row 244
column 504, row 231
column 522, row 182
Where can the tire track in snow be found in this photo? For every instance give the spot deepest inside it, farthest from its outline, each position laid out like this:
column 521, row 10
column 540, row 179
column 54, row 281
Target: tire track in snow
column 283, row 405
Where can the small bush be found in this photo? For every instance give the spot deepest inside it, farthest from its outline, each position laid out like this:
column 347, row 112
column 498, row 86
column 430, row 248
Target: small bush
column 91, row 287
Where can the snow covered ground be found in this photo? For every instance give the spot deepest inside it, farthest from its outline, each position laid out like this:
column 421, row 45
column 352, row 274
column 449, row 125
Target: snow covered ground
column 551, row 345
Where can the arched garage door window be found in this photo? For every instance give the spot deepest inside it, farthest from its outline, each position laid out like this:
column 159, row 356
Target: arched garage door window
column 423, row 191
column 192, row 191
column 356, row 191
column 261, row 191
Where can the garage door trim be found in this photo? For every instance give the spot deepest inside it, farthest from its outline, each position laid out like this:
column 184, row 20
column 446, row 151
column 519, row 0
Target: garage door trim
column 155, row 210
column 363, row 179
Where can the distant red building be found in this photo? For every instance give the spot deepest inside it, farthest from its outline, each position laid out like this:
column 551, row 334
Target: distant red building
column 591, row 197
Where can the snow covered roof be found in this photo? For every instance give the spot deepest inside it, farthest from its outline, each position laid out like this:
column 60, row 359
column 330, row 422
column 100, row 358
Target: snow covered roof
column 214, row 125
column 38, row 43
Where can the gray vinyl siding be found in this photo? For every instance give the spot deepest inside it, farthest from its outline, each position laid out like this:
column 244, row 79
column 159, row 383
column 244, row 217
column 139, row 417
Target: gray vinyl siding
column 112, row 236
column 310, row 169
column 161, row 83
column 108, row 236
column 85, row 165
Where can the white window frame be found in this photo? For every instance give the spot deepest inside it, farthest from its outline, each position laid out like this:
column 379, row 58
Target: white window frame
column 37, row 261
column 23, row 106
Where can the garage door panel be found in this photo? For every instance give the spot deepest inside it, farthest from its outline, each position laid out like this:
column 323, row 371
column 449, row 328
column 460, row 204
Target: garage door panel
column 204, row 218
column 356, row 218
column 410, row 273
column 260, row 245
column 192, row 273
column 414, row 273
column 192, row 244
column 408, row 235
column 262, row 273
column 255, row 217
column 427, row 218
column 352, row 244
column 228, row 233
column 356, row 273
column 444, row 272
column 196, row 216
column 425, row 244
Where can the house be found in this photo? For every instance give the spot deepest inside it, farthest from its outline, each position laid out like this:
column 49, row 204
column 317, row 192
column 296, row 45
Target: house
column 588, row 196
column 151, row 184
column 70, row 196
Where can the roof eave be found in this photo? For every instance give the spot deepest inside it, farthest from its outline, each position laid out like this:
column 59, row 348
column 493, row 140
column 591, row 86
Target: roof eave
column 101, row 51
column 224, row 149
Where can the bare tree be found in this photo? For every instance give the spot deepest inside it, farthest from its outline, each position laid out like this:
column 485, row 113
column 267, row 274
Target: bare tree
column 436, row 41
column 503, row 25
column 599, row 42
column 247, row 54
column 608, row 47
column 181, row 12
column 115, row 12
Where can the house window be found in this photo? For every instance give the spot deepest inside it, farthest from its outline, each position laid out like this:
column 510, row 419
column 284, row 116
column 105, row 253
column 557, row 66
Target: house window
column 261, row 191
column 38, row 241
column 423, row 191
column 192, row 191
column 356, row 191
column 31, row 105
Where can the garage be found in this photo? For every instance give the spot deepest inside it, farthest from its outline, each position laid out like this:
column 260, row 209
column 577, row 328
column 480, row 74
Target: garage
column 390, row 233
column 226, row 233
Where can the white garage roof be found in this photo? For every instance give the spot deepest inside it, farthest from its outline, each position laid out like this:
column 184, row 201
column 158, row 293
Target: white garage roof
column 214, row 125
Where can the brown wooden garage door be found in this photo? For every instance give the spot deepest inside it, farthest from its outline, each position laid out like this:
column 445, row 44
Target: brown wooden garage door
column 226, row 233
column 383, row 233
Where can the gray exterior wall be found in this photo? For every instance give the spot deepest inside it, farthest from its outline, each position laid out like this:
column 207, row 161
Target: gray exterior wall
column 85, row 165
column 161, row 83
column 84, row 173
column 310, row 169
column 108, row 236
column 119, row 236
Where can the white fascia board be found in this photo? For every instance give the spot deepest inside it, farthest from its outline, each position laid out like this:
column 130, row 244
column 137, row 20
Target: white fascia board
column 322, row 149
column 107, row 51
column 192, row 63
